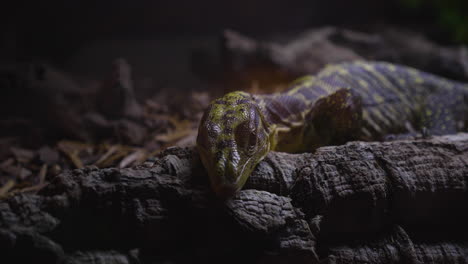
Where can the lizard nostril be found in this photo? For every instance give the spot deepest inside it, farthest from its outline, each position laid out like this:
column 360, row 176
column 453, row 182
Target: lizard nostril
column 230, row 172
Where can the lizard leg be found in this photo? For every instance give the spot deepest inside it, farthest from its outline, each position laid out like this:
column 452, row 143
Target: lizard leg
column 335, row 119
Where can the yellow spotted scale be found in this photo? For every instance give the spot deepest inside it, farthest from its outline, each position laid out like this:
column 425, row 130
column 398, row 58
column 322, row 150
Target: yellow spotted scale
column 349, row 101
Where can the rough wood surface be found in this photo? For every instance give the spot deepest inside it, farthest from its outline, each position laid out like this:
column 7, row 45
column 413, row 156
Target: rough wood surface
column 390, row 202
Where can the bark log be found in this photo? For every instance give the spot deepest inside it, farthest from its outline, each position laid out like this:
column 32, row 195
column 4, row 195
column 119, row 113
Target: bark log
column 372, row 202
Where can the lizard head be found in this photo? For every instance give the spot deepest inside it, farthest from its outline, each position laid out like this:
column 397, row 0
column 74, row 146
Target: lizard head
column 232, row 139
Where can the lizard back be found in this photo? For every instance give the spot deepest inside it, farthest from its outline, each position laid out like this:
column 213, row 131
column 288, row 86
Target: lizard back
column 394, row 99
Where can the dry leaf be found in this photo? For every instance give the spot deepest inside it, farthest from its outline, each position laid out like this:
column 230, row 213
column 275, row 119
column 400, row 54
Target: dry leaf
column 112, row 155
column 136, row 157
column 30, row 189
column 22, row 155
column 6, row 164
column 55, row 170
column 182, row 128
column 70, row 146
column 34, row 188
column 172, row 136
column 75, row 159
column 42, row 173
column 189, row 140
column 7, row 187
column 16, row 171
column 72, row 151
column 106, row 155
column 23, row 173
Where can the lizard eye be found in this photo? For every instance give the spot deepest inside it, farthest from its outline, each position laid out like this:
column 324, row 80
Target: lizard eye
column 206, row 133
column 246, row 137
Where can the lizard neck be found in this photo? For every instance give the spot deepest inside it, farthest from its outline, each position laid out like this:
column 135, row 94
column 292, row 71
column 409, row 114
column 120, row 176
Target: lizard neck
column 286, row 114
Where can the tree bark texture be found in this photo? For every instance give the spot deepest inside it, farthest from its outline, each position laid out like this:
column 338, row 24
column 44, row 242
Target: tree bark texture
column 363, row 202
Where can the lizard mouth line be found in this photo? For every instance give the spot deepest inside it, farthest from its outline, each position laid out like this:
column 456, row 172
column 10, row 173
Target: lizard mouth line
column 253, row 166
column 242, row 170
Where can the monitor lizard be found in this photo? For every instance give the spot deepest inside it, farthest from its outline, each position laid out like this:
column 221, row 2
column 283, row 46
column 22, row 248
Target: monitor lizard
column 349, row 101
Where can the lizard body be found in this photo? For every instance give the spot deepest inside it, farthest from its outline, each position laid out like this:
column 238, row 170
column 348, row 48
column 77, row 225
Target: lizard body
column 348, row 101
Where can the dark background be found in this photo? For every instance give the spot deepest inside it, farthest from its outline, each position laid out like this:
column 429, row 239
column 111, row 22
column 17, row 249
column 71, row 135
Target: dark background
column 157, row 37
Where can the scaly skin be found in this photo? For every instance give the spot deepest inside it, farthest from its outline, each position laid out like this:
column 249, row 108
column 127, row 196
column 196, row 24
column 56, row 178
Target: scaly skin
column 349, row 101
